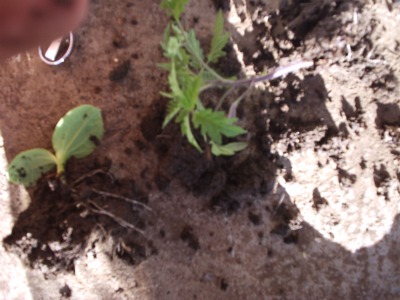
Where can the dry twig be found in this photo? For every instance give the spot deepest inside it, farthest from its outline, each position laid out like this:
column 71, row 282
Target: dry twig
column 93, row 173
column 111, row 195
column 99, row 210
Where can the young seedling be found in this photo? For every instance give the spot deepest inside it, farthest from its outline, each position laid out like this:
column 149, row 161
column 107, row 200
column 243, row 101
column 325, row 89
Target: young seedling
column 76, row 135
column 190, row 74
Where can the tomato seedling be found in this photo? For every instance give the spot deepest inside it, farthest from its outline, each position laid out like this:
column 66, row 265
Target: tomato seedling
column 190, row 74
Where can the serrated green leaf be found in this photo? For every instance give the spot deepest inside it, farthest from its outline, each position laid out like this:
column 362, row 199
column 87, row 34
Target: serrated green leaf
column 187, row 131
column 167, row 35
column 173, row 48
column 28, row 166
column 219, row 40
column 191, row 92
column 228, row 149
column 184, row 59
column 181, row 116
column 178, row 32
column 200, row 105
column 215, row 125
column 174, row 7
column 173, row 82
column 172, row 110
column 164, row 66
column 183, row 74
column 167, row 95
column 207, row 76
column 195, row 48
column 77, row 134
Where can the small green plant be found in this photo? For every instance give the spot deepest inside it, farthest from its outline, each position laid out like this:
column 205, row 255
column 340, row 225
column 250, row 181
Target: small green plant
column 76, row 135
column 190, row 74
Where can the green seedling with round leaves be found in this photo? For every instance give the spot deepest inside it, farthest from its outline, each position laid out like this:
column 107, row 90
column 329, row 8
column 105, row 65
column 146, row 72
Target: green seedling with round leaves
column 76, row 135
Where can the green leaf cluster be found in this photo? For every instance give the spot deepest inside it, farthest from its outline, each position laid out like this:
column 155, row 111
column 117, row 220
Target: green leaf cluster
column 76, row 135
column 215, row 125
column 189, row 75
column 174, row 7
column 219, row 40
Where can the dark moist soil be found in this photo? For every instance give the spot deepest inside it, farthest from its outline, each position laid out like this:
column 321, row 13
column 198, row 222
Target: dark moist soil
column 56, row 227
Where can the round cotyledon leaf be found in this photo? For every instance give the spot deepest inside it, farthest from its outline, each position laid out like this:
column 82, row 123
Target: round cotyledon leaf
column 28, row 166
column 77, row 134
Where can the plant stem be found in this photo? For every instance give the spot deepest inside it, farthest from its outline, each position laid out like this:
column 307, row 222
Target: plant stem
column 235, row 104
column 111, row 195
column 224, row 96
column 278, row 72
column 99, row 210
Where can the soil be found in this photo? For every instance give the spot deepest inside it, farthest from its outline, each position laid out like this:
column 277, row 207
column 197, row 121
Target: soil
column 310, row 210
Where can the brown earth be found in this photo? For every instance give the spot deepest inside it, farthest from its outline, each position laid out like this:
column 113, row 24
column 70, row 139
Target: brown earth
column 310, row 210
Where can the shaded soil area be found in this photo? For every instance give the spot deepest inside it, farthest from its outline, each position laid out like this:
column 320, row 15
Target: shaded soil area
column 56, row 227
column 308, row 211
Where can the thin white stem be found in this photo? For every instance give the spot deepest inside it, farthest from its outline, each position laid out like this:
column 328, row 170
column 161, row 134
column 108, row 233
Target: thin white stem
column 99, row 210
column 126, row 199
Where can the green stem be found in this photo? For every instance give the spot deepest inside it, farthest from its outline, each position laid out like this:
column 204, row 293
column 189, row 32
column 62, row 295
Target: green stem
column 235, row 104
column 60, row 162
column 60, row 168
column 224, row 96
column 206, row 87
